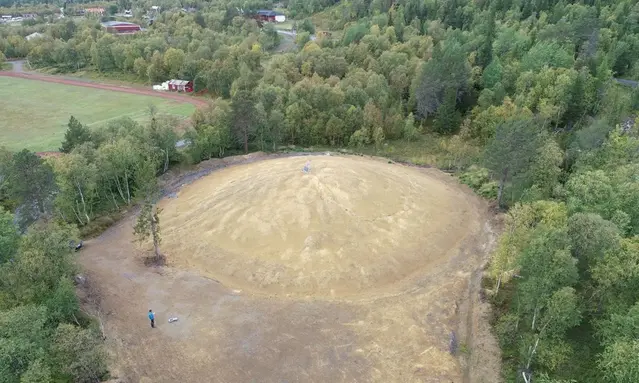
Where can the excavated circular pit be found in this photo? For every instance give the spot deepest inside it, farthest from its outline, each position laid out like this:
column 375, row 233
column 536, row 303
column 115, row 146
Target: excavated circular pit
column 347, row 226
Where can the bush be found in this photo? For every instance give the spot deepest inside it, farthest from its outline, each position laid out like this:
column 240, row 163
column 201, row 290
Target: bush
column 306, row 26
column 359, row 138
column 489, row 190
column 411, row 132
column 475, row 177
column 478, row 179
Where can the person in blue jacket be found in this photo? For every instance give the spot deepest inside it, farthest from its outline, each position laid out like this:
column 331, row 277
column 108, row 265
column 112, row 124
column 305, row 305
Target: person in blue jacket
column 152, row 318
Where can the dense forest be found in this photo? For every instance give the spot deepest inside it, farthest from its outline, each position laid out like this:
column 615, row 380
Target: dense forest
column 522, row 95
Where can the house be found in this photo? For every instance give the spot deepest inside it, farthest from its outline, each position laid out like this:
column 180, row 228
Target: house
column 94, row 11
column 33, row 36
column 175, row 86
column 121, row 27
column 269, row 16
column 180, row 86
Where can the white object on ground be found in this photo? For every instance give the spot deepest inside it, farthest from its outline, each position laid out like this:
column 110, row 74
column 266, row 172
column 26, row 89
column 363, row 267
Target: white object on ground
column 174, row 319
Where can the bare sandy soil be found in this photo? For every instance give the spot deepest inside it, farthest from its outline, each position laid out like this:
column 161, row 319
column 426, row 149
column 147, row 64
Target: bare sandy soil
column 350, row 226
column 375, row 295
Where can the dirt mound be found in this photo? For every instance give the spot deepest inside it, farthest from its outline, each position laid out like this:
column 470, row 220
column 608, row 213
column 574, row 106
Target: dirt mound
column 348, row 226
column 386, row 335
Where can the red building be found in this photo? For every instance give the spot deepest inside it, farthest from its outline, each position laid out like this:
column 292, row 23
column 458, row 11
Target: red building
column 181, row 86
column 121, row 27
column 269, row 16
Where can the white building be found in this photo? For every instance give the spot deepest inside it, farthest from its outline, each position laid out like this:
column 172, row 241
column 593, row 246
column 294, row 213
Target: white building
column 33, row 36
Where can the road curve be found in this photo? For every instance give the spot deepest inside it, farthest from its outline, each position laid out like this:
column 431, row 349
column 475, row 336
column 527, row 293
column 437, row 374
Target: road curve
column 630, row 83
column 291, row 34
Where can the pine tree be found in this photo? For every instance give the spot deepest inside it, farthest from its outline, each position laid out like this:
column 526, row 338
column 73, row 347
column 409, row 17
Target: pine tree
column 485, row 50
column 76, row 135
column 448, row 118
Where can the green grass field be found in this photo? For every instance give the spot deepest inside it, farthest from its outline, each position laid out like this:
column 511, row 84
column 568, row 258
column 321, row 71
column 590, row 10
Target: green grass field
column 34, row 114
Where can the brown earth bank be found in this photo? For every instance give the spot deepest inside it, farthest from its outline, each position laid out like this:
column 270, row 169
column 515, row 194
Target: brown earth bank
column 385, row 324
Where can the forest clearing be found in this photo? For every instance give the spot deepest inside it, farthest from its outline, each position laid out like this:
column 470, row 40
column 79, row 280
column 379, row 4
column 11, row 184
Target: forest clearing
column 374, row 310
column 497, row 241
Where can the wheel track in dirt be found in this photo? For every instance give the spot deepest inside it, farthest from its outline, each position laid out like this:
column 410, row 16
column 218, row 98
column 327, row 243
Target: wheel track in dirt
column 397, row 336
column 198, row 102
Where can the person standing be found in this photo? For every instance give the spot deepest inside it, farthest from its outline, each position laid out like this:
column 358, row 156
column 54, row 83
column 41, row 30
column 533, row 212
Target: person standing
column 152, row 318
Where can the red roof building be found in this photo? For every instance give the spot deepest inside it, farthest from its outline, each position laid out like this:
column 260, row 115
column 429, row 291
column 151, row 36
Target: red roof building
column 181, row 86
column 269, row 16
column 121, row 27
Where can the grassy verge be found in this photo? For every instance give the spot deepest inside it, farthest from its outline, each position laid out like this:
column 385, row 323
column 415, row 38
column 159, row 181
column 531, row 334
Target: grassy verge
column 285, row 26
column 106, row 77
column 100, row 224
column 446, row 153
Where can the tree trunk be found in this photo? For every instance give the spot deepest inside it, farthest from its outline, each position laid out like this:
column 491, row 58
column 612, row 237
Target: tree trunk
column 119, row 187
column 534, row 319
column 532, row 353
column 154, row 233
column 126, row 183
column 84, row 205
column 502, row 182
column 117, row 207
column 246, row 140
column 166, row 161
column 498, row 284
column 77, row 216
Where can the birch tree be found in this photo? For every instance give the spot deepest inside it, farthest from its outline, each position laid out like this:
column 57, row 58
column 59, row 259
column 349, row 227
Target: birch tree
column 77, row 181
column 546, row 302
column 148, row 221
column 161, row 135
column 520, row 224
column 116, row 164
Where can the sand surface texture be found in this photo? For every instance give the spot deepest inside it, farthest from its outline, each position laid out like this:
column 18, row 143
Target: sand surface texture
column 359, row 271
column 347, row 226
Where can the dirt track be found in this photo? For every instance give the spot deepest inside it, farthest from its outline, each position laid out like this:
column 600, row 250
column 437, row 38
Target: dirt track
column 225, row 334
column 115, row 88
